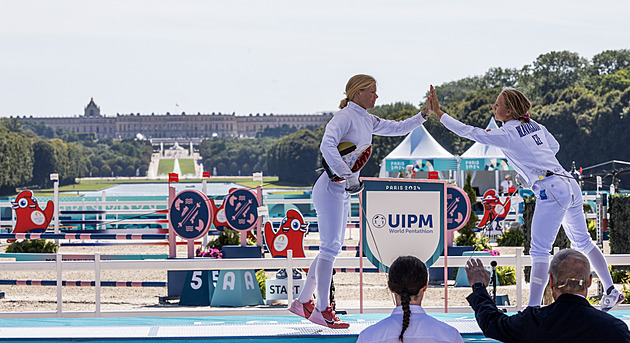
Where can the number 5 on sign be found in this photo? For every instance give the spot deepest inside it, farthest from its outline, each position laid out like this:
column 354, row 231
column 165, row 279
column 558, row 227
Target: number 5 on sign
column 198, row 288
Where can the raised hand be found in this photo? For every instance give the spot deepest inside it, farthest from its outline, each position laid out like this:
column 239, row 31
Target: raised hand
column 476, row 272
column 435, row 105
column 429, row 109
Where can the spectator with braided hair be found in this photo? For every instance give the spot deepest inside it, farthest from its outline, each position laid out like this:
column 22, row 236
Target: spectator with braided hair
column 408, row 323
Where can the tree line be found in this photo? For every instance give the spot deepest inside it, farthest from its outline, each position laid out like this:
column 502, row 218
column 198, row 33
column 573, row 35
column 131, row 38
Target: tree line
column 30, row 153
column 584, row 103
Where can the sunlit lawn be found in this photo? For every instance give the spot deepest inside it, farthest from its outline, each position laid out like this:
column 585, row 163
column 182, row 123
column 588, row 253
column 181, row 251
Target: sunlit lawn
column 98, row 184
column 165, row 166
column 187, row 166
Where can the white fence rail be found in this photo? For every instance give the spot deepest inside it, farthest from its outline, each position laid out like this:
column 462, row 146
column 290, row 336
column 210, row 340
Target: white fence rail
column 97, row 265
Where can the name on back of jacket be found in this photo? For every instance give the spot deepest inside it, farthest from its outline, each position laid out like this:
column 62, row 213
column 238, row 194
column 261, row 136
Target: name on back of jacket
column 527, row 128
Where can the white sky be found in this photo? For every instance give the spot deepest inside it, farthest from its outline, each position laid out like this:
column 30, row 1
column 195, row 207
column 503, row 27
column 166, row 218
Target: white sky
column 273, row 56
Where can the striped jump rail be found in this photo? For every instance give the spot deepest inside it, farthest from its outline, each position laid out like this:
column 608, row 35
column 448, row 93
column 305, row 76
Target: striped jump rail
column 343, row 248
column 44, row 235
column 84, row 283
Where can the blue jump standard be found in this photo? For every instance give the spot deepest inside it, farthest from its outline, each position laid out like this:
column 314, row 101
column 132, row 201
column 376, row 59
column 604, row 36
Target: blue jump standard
column 226, row 329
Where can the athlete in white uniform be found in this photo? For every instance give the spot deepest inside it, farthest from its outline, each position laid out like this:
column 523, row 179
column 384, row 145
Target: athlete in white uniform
column 409, row 323
column 331, row 199
column 530, row 150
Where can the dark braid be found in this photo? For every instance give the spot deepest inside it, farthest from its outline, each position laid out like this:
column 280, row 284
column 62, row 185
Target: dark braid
column 405, row 299
column 407, row 275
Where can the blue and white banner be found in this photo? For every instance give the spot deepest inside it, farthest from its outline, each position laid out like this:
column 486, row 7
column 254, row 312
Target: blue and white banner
column 402, row 217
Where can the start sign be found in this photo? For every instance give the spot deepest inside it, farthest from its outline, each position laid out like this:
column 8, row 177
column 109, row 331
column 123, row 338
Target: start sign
column 189, row 214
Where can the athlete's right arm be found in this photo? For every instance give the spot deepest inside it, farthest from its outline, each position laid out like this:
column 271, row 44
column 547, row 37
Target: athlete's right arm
column 335, row 130
column 496, row 137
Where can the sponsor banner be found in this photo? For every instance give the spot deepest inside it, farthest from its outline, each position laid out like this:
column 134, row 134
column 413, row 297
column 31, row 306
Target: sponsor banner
column 438, row 164
column 402, row 217
column 398, row 165
column 484, row 164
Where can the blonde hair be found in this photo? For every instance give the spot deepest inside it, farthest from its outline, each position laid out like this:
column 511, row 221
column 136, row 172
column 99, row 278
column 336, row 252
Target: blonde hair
column 517, row 103
column 570, row 271
column 356, row 83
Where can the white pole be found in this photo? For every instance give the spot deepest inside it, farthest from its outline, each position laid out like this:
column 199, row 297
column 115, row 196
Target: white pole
column 203, row 189
column 59, row 281
column 56, row 201
column 289, row 276
column 97, row 282
column 519, row 272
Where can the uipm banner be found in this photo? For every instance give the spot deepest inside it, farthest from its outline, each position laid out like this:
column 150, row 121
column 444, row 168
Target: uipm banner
column 402, row 217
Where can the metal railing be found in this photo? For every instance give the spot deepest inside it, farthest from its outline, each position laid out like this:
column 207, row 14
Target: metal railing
column 98, row 265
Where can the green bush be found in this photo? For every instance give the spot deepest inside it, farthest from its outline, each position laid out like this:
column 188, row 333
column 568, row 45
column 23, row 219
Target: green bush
column 619, row 223
column 466, row 235
column 620, row 276
column 626, row 292
column 481, row 244
column 506, row 275
column 262, row 281
column 228, row 237
column 512, row 238
column 32, row 246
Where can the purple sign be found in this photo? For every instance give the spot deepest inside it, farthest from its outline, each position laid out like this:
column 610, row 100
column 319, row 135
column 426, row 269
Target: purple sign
column 241, row 209
column 189, row 214
column 457, row 208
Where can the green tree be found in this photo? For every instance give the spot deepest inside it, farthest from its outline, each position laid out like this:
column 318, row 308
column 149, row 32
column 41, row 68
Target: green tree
column 466, row 235
column 295, row 158
column 610, row 61
column 45, row 163
column 554, row 70
column 16, row 161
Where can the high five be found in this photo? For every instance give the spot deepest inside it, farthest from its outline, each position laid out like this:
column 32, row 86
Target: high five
column 530, row 149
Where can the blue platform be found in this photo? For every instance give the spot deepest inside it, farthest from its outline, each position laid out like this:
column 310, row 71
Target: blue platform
column 226, row 329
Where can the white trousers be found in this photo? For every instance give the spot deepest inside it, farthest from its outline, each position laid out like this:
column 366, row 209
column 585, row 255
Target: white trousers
column 558, row 201
column 332, row 204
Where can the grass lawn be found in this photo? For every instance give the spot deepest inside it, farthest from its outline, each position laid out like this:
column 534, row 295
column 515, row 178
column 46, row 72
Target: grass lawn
column 187, row 166
column 166, row 166
column 97, row 184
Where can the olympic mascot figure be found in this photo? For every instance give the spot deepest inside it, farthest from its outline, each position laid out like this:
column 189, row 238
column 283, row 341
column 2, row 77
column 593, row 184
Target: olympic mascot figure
column 29, row 216
column 345, row 148
column 289, row 236
column 531, row 150
column 494, row 210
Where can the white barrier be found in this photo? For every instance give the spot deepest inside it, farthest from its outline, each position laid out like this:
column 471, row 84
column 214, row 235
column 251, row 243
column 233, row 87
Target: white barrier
column 97, row 265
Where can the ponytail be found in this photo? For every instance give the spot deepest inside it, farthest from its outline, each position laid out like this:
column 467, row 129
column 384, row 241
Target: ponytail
column 407, row 276
column 405, row 299
column 344, row 102
column 357, row 82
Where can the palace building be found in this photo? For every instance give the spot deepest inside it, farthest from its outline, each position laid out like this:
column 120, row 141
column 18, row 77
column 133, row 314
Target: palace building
column 176, row 126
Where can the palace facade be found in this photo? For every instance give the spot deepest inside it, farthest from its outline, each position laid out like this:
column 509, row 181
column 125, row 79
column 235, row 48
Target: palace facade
column 177, row 126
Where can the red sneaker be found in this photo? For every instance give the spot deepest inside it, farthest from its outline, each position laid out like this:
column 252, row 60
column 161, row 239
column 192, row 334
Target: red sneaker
column 328, row 318
column 302, row 310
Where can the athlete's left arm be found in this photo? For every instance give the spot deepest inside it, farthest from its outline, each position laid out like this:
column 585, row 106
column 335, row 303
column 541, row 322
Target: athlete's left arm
column 551, row 140
column 496, row 137
column 384, row 127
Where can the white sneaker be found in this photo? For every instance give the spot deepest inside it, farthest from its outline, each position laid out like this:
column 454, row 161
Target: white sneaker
column 611, row 299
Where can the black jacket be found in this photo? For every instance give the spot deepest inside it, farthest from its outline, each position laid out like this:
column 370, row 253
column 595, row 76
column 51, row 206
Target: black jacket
column 569, row 319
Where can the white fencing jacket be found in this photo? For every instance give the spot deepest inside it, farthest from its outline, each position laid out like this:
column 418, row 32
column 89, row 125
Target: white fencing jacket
column 354, row 124
column 529, row 147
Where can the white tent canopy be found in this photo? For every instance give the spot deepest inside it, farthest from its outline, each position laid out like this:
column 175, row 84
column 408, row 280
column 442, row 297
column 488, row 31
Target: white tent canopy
column 482, row 157
column 420, row 149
